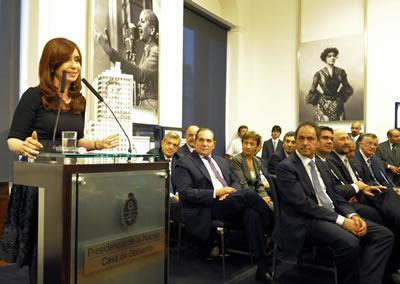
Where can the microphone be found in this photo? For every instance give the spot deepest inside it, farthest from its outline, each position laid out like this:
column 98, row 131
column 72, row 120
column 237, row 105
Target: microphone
column 62, row 90
column 100, row 98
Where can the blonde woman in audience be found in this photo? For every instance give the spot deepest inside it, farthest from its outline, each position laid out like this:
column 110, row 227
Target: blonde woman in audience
column 247, row 167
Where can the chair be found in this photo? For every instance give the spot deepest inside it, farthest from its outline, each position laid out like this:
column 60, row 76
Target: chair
column 221, row 229
column 309, row 247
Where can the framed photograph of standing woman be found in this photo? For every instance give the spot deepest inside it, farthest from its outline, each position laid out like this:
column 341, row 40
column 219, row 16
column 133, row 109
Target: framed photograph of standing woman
column 331, row 61
column 331, row 79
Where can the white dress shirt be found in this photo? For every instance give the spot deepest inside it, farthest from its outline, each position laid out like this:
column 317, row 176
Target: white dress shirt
column 215, row 182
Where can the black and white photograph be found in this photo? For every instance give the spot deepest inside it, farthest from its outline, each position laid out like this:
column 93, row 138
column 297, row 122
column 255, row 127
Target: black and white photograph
column 125, row 36
column 331, row 79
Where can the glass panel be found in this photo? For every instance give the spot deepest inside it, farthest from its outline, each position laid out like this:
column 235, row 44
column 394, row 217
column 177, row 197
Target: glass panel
column 92, row 158
column 121, row 227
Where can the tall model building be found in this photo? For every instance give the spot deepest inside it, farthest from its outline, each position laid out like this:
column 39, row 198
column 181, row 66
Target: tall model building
column 116, row 89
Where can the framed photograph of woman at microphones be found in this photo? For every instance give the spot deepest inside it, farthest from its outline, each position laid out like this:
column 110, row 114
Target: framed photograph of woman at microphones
column 123, row 58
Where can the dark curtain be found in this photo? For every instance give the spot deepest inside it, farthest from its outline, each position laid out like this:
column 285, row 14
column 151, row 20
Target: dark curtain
column 204, row 74
column 9, row 77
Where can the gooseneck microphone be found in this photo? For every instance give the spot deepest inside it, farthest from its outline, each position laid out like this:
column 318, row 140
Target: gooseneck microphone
column 100, row 98
column 62, row 90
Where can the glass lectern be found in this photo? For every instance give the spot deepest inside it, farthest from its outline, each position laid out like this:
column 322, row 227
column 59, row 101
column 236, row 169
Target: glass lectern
column 103, row 217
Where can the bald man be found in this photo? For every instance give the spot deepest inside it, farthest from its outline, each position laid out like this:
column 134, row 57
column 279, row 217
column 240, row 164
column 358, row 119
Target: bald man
column 355, row 133
column 389, row 154
column 190, row 136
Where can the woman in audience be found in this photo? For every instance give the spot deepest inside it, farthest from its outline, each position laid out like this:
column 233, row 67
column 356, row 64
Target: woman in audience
column 31, row 132
column 247, row 167
column 332, row 80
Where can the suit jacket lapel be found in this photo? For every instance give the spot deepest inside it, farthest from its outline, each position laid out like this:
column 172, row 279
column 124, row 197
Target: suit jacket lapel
column 325, row 177
column 246, row 171
column 224, row 170
column 307, row 184
column 364, row 166
column 345, row 171
column 200, row 165
column 257, row 166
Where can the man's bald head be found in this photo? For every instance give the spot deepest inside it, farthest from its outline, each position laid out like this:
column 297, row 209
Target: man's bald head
column 355, row 128
column 394, row 136
column 341, row 141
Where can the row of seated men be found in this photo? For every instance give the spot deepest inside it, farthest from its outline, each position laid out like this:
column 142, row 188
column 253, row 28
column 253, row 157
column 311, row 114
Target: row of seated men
column 350, row 205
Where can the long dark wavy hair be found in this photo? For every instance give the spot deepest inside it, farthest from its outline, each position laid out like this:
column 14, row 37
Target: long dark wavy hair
column 56, row 52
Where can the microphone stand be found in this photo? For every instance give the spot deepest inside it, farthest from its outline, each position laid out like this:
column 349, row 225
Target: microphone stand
column 63, row 78
column 100, row 98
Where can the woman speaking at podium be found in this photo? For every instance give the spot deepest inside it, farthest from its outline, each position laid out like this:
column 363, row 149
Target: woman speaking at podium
column 32, row 131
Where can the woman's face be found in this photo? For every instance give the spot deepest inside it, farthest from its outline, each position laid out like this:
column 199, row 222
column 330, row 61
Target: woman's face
column 249, row 147
column 72, row 67
column 145, row 28
column 330, row 58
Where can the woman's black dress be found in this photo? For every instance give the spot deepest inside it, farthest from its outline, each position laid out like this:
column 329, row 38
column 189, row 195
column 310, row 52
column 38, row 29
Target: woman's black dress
column 19, row 241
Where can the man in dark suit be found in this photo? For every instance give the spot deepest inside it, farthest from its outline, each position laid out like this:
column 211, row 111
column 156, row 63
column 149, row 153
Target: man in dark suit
column 311, row 209
column 289, row 145
column 272, row 145
column 368, row 198
column 368, row 165
column 348, row 182
column 372, row 172
column 355, row 133
column 168, row 153
column 190, row 135
column 389, row 154
column 208, row 190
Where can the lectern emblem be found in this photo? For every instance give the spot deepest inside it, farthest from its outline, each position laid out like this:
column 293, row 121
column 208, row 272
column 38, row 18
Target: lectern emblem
column 129, row 211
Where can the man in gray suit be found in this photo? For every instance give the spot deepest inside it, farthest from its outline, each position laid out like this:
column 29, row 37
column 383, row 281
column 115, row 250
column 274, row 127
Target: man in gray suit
column 389, row 154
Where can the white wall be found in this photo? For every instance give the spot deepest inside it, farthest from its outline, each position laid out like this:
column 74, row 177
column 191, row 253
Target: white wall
column 383, row 61
column 44, row 20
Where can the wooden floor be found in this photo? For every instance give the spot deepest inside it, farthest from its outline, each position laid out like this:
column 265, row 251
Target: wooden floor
column 3, row 263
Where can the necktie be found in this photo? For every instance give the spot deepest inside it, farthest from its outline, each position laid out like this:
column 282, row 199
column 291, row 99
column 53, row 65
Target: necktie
column 350, row 170
column 170, row 186
column 371, row 171
column 274, row 143
column 215, row 171
column 394, row 148
column 322, row 196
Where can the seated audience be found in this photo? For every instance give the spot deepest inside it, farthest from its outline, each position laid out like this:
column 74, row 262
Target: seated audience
column 247, row 167
column 169, row 152
column 288, row 148
column 334, row 148
column 272, row 145
column 388, row 152
column 190, row 135
column 236, row 144
column 364, row 198
column 313, row 210
column 208, row 190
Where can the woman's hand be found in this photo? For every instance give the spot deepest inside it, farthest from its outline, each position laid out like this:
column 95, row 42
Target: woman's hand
column 103, row 40
column 111, row 141
column 31, row 146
